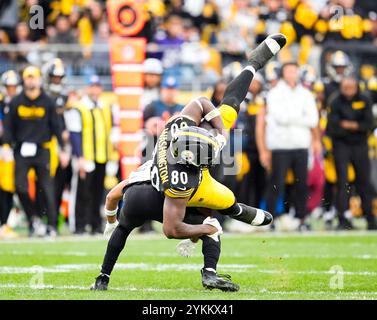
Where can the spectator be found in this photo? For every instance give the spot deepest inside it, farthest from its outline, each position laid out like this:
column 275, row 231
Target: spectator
column 291, row 113
column 23, row 41
column 218, row 92
column 4, row 56
column 9, row 17
column 10, row 87
column 237, row 34
column 54, row 74
column 353, row 23
column 170, row 41
column 350, row 121
column 208, row 20
column 90, row 123
column 272, row 15
column 337, row 68
column 152, row 81
column 100, row 55
column 159, row 111
column 64, row 35
column 178, row 8
column 253, row 182
column 97, row 14
column 30, row 122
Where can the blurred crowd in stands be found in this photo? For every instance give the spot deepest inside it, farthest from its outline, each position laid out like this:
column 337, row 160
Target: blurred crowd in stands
column 190, row 37
column 309, row 143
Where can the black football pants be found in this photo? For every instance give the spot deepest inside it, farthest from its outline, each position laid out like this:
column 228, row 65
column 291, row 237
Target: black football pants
column 357, row 154
column 6, row 203
column 90, row 191
column 41, row 165
column 282, row 160
column 141, row 203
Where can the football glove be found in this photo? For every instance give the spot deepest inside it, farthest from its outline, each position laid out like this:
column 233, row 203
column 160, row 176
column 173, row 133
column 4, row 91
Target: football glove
column 185, row 248
column 215, row 223
column 110, row 227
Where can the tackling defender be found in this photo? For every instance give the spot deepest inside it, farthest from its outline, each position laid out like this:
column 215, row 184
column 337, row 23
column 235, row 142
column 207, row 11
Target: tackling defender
column 178, row 178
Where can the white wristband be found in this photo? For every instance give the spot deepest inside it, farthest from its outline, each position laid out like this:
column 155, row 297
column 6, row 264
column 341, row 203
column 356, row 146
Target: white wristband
column 212, row 114
column 111, row 213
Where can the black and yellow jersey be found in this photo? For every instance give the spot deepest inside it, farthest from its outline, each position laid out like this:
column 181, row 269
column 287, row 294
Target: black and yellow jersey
column 61, row 102
column 183, row 181
column 173, row 179
column 28, row 120
column 2, row 106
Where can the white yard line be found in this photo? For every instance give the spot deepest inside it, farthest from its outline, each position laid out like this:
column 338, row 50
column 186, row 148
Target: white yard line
column 63, row 268
column 340, row 293
column 173, row 254
column 349, row 273
column 135, row 237
column 120, row 266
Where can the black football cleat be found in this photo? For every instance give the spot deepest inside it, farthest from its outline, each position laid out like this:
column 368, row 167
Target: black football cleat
column 270, row 46
column 253, row 216
column 101, row 282
column 372, row 225
column 345, row 225
column 212, row 280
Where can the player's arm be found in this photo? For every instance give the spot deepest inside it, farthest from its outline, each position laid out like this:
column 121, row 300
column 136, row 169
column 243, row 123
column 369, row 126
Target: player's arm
column 112, row 200
column 202, row 108
column 260, row 137
column 173, row 225
column 111, row 207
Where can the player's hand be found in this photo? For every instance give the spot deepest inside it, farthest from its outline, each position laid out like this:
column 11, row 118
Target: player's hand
column 7, row 154
column 217, row 226
column 64, row 159
column 221, row 140
column 265, row 159
column 82, row 169
column 110, row 227
column 154, row 126
column 349, row 125
column 317, row 148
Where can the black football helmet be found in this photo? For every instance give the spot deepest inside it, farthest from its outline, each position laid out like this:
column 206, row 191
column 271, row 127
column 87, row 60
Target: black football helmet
column 194, row 146
column 53, row 76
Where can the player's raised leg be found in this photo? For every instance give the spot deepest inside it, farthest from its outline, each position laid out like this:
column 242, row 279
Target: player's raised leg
column 247, row 214
column 237, row 89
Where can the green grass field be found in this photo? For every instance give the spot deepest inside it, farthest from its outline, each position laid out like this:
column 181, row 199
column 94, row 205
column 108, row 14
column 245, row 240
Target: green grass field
column 266, row 266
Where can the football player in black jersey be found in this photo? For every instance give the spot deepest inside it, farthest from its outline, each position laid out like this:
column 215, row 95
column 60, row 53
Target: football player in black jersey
column 54, row 84
column 10, row 87
column 177, row 181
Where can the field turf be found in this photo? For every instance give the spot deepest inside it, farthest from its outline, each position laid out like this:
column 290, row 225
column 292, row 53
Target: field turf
column 266, row 266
